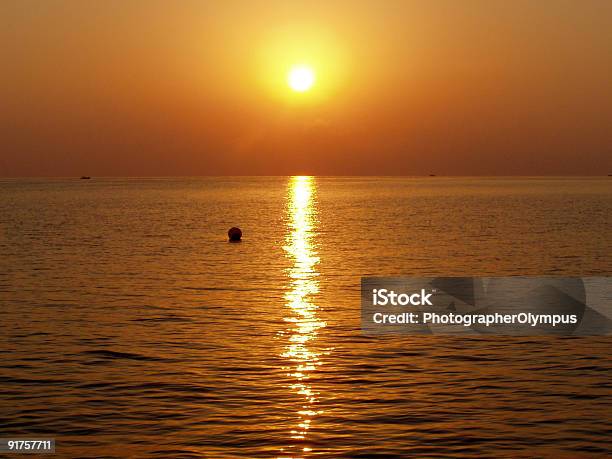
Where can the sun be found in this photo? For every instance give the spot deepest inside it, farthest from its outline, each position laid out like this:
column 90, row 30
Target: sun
column 301, row 78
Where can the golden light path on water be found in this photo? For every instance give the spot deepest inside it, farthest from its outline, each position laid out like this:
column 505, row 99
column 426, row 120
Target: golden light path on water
column 301, row 310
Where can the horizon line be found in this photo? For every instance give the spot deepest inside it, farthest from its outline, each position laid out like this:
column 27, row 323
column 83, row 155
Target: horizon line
column 17, row 177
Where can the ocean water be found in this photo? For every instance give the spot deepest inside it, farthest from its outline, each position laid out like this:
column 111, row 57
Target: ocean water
column 132, row 328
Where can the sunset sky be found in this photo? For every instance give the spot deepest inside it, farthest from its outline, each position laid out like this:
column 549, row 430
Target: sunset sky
column 139, row 88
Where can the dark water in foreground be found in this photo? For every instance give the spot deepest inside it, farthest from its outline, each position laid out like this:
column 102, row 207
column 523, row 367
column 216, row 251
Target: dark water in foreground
column 130, row 328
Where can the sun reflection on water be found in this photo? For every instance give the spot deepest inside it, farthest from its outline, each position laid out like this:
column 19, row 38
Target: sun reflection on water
column 302, row 311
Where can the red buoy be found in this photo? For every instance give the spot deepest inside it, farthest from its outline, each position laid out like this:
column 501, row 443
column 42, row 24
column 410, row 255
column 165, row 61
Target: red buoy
column 234, row 234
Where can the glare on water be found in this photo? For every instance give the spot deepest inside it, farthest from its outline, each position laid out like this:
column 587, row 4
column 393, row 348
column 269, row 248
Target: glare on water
column 301, row 318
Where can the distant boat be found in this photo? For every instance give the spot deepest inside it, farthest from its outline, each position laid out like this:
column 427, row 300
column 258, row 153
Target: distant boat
column 432, row 175
column 85, row 177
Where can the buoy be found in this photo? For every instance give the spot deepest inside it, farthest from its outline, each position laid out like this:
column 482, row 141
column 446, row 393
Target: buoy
column 234, row 234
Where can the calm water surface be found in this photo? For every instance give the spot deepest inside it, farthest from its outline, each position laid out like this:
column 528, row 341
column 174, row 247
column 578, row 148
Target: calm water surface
column 131, row 328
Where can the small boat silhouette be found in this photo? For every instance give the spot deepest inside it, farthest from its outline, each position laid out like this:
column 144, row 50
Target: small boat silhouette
column 85, row 177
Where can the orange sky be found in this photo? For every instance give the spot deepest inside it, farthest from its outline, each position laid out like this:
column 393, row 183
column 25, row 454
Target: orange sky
column 403, row 87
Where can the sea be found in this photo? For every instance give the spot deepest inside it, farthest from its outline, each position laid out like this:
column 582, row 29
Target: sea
column 132, row 328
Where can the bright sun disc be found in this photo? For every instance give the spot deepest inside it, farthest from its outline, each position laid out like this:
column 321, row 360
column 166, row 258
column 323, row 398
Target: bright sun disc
column 301, row 78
